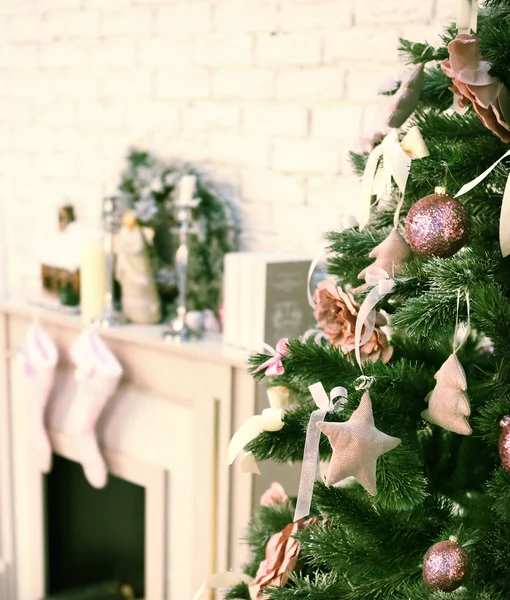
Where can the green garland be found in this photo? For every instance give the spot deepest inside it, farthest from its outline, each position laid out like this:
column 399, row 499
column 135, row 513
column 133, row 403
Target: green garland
column 150, row 185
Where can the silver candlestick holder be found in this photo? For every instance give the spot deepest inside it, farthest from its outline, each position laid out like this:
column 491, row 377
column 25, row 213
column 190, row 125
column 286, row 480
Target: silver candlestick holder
column 178, row 330
column 113, row 209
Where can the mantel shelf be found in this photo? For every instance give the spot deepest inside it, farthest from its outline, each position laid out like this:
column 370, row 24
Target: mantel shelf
column 210, row 348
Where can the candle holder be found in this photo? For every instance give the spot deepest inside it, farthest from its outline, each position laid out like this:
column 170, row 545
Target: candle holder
column 112, row 211
column 178, row 330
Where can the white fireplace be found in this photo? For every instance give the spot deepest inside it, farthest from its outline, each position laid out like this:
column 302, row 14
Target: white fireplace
column 166, row 429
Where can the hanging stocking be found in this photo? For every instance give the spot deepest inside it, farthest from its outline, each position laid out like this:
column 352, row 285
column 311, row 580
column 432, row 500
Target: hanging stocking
column 97, row 374
column 40, row 361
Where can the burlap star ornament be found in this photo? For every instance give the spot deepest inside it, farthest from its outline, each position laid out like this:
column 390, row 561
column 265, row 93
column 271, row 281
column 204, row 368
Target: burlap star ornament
column 357, row 444
column 449, row 402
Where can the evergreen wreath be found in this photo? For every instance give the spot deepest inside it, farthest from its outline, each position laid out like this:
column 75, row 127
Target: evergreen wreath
column 150, row 185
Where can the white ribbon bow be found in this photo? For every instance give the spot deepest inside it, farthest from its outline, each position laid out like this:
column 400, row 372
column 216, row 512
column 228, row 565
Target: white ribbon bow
column 397, row 158
column 271, row 419
column 311, row 459
column 224, row 579
column 504, row 218
column 383, row 285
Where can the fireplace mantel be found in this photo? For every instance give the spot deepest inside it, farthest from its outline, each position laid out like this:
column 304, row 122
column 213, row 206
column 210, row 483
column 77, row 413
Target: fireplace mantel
column 171, row 419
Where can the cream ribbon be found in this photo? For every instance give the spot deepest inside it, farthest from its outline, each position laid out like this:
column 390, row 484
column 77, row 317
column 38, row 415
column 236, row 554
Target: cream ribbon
column 504, row 219
column 313, row 265
column 311, row 458
column 397, row 157
column 383, row 285
column 271, row 419
column 249, row 465
column 223, row 579
column 467, row 16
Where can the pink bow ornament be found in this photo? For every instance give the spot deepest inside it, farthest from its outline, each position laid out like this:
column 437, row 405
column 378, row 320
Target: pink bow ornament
column 274, row 364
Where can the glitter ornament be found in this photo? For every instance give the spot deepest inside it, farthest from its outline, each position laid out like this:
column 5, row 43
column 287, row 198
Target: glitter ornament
column 504, row 442
column 445, row 566
column 438, row 225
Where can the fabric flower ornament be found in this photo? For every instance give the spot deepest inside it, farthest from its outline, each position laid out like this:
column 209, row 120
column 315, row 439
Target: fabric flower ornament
column 273, row 495
column 471, row 81
column 274, row 364
column 336, row 312
column 282, row 554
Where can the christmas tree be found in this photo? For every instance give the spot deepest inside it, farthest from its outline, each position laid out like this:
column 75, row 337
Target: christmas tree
column 415, row 503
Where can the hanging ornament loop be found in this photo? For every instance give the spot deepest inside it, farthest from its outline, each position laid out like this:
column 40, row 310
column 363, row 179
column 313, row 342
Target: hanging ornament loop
column 311, row 458
column 364, row 382
column 383, row 285
column 460, row 339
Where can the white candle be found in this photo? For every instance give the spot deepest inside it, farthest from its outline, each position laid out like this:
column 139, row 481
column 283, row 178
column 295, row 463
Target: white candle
column 93, row 279
column 187, row 185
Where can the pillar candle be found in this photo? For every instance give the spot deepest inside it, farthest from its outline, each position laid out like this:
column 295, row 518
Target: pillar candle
column 187, row 185
column 93, row 279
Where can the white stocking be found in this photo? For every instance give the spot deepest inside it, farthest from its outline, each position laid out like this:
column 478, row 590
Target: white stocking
column 97, row 374
column 40, row 361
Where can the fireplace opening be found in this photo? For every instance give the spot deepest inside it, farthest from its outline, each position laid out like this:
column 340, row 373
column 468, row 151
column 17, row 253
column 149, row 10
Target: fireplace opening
column 95, row 539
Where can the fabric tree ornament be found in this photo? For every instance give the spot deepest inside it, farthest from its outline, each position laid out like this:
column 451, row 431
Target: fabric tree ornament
column 40, row 359
column 357, row 444
column 140, row 299
column 407, row 97
column 449, row 402
column 392, row 254
column 97, row 374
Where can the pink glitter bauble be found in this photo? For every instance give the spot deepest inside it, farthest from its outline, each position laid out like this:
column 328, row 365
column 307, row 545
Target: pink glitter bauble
column 438, row 225
column 504, row 443
column 445, row 566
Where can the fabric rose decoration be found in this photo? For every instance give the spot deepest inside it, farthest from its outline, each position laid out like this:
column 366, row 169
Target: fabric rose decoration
column 273, row 495
column 471, row 81
column 282, row 554
column 336, row 312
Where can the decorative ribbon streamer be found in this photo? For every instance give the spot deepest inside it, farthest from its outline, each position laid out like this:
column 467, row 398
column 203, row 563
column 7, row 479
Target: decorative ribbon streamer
column 467, row 16
column 397, row 157
column 274, row 364
column 504, row 219
column 310, row 467
column 383, row 285
column 223, row 579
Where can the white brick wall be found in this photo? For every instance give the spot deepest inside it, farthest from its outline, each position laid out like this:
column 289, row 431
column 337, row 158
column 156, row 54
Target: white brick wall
column 267, row 95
